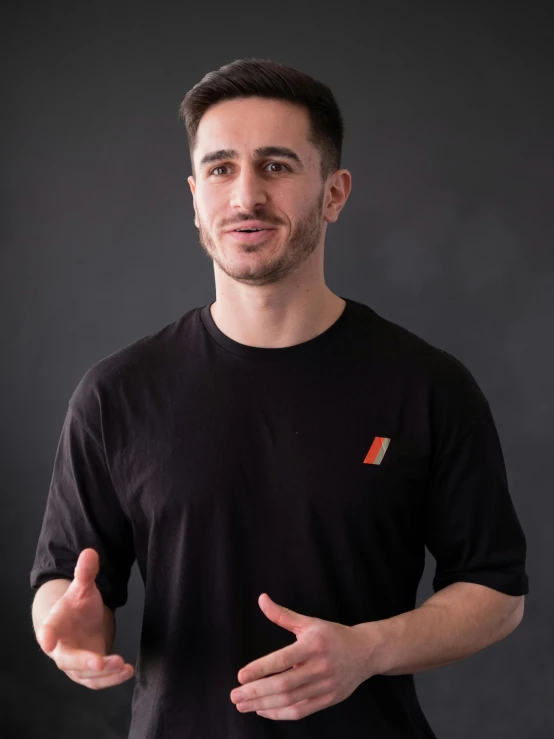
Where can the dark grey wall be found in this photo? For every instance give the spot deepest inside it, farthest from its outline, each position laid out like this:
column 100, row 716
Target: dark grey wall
column 448, row 231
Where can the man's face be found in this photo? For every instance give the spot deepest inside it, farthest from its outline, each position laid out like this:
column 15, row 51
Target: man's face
column 237, row 181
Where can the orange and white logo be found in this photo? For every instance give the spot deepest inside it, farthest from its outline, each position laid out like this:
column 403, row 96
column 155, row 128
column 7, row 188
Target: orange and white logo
column 377, row 450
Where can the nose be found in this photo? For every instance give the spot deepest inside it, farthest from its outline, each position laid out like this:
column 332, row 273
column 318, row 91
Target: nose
column 248, row 191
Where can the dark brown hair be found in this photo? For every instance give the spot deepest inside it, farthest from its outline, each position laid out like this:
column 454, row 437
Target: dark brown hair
column 269, row 79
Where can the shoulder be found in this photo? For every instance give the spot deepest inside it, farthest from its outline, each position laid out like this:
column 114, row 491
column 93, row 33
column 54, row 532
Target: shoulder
column 440, row 369
column 443, row 380
column 398, row 344
column 122, row 373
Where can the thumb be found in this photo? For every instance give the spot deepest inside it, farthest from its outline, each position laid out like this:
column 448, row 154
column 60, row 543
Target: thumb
column 282, row 616
column 86, row 569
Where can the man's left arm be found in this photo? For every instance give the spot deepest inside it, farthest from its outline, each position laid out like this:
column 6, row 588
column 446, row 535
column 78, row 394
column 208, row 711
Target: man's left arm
column 452, row 624
column 332, row 659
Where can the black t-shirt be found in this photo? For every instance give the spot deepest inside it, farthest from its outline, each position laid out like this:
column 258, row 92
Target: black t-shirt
column 316, row 473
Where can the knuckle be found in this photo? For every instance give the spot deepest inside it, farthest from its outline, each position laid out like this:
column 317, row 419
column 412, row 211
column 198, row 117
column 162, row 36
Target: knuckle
column 296, row 712
column 328, row 686
column 319, row 642
column 281, row 684
column 323, row 668
column 295, row 696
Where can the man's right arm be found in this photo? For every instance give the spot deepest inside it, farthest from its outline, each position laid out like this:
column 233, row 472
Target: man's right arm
column 76, row 629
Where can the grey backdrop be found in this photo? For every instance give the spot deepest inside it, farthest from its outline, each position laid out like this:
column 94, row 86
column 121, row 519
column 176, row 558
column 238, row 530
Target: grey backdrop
column 448, row 231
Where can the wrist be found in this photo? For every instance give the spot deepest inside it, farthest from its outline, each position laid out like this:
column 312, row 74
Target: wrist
column 381, row 640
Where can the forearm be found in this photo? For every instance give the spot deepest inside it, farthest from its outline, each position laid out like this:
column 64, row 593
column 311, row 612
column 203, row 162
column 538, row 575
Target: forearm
column 49, row 593
column 453, row 624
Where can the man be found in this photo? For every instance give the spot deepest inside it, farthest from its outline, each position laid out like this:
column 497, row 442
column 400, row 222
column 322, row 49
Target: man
column 276, row 462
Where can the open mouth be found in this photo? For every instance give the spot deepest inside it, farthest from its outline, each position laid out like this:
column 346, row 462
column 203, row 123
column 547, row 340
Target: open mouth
column 252, row 235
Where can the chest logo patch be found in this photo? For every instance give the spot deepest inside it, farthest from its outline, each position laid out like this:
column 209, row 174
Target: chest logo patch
column 377, row 450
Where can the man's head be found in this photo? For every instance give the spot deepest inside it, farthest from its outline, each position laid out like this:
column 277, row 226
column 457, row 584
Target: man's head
column 265, row 144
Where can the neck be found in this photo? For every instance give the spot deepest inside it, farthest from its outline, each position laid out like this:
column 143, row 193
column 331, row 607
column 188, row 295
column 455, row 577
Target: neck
column 275, row 316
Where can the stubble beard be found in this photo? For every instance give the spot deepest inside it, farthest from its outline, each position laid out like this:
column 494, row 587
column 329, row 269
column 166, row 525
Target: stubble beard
column 302, row 242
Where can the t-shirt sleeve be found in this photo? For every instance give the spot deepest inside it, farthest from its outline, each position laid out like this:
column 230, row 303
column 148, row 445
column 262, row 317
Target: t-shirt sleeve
column 84, row 510
column 471, row 526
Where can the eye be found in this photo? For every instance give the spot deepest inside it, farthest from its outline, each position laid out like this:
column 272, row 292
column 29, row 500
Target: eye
column 221, row 166
column 270, row 164
column 279, row 164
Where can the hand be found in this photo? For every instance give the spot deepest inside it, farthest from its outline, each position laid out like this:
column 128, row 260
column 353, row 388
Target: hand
column 328, row 661
column 73, row 632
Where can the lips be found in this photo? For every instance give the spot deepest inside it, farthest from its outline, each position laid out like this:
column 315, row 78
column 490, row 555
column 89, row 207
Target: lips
column 250, row 230
column 253, row 224
column 252, row 237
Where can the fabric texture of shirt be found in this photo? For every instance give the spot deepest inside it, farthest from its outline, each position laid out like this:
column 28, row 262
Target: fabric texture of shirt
column 316, row 473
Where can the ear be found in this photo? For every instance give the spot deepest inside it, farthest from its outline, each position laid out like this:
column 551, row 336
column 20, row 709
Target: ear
column 192, row 185
column 338, row 191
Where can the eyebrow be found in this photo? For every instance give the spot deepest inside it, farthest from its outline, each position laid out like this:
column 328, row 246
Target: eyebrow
column 260, row 153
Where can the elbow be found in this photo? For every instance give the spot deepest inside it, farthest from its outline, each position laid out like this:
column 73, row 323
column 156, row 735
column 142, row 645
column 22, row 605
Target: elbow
column 515, row 615
column 519, row 610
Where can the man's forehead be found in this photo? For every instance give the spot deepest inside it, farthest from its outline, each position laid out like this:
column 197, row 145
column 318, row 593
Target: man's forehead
column 247, row 125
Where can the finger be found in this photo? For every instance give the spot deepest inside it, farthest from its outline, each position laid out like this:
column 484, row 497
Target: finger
column 281, row 683
column 298, row 710
column 278, row 661
column 289, row 697
column 79, row 659
column 97, row 667
column 106, row 681
column 109, row 662
column 110, row 669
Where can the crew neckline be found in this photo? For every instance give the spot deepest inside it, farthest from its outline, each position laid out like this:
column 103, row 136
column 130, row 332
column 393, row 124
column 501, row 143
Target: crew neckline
column 304, row 349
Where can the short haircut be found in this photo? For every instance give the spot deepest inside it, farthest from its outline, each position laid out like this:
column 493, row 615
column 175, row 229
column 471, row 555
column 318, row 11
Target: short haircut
column 269, row 79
